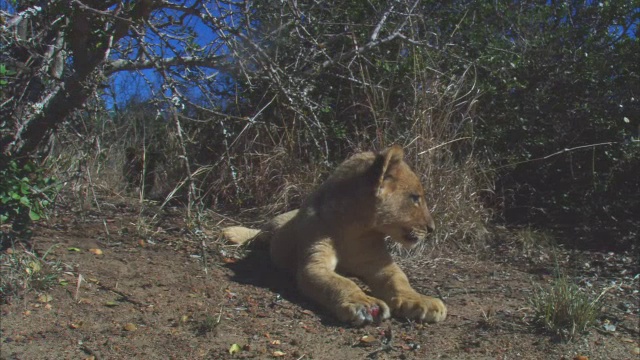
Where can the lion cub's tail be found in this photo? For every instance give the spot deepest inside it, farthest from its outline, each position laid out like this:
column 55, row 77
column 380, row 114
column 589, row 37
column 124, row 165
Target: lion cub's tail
column 239, row 234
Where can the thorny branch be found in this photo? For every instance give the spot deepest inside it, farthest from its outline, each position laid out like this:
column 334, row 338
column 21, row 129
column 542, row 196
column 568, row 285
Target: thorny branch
column 92, row 40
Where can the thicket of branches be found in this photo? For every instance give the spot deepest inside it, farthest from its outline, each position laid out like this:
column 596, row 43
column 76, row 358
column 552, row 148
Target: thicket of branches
column 252, row 103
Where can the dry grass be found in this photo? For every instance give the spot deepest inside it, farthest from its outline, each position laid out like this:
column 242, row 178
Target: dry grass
column 440, row 146
column 22, row 271
column 529, row 241
column 263, row 184
column 266, row 168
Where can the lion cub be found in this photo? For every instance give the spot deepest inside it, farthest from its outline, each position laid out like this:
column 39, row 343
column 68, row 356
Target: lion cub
column 340, row 229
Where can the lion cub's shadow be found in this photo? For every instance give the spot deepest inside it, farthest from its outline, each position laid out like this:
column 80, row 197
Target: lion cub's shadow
column 257, row 269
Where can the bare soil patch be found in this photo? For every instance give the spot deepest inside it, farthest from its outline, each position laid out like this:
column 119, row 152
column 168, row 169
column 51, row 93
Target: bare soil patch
column 178, row 295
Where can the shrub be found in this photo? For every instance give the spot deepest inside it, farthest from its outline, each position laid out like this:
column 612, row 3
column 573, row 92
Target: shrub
column 25, row 193
column 564, row 309
column 23, row 271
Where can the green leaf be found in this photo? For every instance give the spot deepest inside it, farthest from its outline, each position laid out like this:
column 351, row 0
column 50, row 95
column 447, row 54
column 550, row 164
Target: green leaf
column 234, row 349
column 25, row 201
column 34, row 216
column 24, row 187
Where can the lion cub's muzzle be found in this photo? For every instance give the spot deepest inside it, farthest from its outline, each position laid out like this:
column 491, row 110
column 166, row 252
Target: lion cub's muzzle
column 414, row 236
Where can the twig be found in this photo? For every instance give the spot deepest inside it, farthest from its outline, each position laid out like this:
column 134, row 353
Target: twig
column 95, row 200
column 80, row 279
column 556, row 154
column 443, row 144
column 111, row 14
column 123, row 296
column 376, row 31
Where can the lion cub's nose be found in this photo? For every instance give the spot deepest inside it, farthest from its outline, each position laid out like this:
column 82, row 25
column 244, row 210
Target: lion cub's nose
column 431, row 225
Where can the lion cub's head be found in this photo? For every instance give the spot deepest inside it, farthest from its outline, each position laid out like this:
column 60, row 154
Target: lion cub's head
column 401, row 207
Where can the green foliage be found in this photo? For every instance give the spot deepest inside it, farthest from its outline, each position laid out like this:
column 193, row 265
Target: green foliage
column 25, row 193
column 564, row 309
column 4, row 74
column 207, row 325
column 556, row 76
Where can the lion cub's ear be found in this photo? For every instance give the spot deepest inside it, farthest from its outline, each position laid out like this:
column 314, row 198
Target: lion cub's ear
column 385, row 161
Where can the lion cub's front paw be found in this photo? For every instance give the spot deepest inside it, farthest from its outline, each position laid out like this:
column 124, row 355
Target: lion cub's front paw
column 361, row 309
column 419, row 307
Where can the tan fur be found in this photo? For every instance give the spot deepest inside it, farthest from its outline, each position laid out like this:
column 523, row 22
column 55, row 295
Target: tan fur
column 340, row 229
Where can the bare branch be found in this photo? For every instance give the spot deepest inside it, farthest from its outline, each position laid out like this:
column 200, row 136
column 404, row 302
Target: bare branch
column 376, row 31
column 126, row 65
column 29, row 12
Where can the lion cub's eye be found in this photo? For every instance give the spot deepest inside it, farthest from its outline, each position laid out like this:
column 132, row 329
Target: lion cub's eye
column 415, row 198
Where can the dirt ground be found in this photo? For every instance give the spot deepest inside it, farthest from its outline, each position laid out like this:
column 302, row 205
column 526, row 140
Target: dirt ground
column 178, row 295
